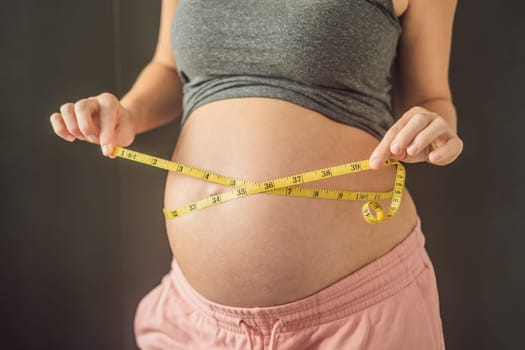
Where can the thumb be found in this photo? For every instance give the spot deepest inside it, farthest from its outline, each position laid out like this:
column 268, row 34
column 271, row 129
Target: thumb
column 109, row 116
column 124, row 131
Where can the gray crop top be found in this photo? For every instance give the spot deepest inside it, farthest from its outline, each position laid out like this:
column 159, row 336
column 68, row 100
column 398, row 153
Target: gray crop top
column 331, row 56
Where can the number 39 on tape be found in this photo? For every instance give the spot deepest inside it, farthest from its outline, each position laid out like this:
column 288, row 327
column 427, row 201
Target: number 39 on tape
column 284, row 186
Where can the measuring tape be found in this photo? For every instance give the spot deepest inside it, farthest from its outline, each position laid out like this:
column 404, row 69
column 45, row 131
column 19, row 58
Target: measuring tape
column 284, row 186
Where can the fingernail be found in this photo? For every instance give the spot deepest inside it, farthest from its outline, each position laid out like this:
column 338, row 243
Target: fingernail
column 92, row 138
column 435, row 156
column 411, row 150
column 70, row 138
column 105, row 149
column 395, row 148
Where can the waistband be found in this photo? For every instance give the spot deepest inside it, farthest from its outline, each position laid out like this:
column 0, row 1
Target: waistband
column 366, row 286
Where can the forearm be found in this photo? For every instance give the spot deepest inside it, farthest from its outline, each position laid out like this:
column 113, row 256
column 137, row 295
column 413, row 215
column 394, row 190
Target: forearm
column 155, row 98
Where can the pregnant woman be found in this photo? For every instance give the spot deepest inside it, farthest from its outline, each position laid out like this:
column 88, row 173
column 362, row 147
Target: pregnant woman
column 267, row 89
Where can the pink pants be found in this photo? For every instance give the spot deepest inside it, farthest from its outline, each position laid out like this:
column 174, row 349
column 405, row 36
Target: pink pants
column 390, row 303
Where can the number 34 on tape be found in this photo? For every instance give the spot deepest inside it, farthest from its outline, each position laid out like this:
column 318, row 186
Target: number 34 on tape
column 284, row 186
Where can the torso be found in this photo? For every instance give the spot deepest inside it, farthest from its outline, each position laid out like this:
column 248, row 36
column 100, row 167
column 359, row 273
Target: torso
column 264, row 250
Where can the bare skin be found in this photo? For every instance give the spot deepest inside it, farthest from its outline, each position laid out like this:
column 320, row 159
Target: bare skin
column 265, row 250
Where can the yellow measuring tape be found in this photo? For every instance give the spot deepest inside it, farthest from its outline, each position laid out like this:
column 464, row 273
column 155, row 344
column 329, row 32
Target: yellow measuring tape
column 285, row 186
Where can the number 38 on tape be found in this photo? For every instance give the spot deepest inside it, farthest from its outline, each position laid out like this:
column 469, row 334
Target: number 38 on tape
column 284, row 186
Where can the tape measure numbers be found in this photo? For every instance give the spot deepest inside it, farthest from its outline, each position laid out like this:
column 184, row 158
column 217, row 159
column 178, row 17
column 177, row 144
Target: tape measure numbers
column 284, row 186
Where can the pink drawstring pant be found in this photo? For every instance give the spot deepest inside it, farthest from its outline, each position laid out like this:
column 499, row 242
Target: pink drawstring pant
column 391, row 303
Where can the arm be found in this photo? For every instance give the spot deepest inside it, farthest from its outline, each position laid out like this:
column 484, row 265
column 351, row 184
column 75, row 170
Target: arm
column 156, row 96
column 427, row 128
column 154, row 100
column 423, row 58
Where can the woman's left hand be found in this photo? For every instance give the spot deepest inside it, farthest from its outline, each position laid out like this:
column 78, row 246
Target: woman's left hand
column 418, row 136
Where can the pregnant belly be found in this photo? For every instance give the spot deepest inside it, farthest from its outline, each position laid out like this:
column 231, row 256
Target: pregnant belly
column 265, row 249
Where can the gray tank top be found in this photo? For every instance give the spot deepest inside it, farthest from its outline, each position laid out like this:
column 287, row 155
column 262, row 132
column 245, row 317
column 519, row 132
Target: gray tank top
column 331, row 56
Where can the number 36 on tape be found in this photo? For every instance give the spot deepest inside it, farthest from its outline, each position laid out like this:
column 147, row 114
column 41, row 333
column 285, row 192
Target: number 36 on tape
column 284, row 186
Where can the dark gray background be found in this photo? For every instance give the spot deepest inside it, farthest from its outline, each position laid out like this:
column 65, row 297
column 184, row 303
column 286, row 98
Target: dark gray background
column 83, row 238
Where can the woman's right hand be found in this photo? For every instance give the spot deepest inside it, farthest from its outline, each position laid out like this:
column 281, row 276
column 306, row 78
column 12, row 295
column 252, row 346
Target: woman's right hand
column 101, row 119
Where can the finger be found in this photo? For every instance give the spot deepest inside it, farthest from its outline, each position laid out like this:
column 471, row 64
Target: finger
column 84, row 111
column 68, row 114
column 382, row 152
column 447, row 153
column 400, row 156
column 108, row 121
column 59, row 127
column 438, row 127
column 409, row 132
